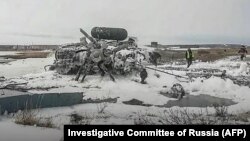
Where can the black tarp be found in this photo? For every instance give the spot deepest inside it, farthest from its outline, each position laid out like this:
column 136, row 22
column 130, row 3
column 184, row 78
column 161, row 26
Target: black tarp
column 109, row 33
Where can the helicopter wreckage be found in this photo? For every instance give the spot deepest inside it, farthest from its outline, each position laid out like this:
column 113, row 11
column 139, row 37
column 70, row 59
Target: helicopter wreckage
column 112, row 51
column 109, row 51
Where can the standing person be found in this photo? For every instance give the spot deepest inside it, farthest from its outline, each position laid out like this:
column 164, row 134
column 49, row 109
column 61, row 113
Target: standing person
column 143, row 75
column 154, row 57
column 242, row 52
column 189, row 57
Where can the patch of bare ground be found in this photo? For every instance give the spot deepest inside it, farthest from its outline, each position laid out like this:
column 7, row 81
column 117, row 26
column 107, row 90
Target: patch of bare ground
column 205, row 55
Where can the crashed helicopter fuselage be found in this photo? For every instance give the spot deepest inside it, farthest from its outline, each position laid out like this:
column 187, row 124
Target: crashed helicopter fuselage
column 107, row 52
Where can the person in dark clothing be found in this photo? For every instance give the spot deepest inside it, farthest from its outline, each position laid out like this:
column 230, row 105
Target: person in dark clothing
column 189, row 57
column 154, row 57
column 242, row 52
column 223, row 75
column 143, row 75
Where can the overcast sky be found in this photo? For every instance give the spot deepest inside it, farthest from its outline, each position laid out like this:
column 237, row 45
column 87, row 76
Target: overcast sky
column 165, row 21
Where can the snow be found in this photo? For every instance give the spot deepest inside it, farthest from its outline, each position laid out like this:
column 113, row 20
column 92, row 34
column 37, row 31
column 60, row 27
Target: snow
column 31, row 71
column 222, row 88
column 243, row 68
column 8, row 52
column 126, row 89
column 233, row 65
column 13, row 132
column 25, row 66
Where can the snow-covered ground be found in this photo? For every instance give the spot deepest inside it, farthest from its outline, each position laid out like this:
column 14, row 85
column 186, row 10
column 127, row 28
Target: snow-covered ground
column 31, row 71
column 232, row 65
column 8, row 52
column 14, row 132
column 24, row 66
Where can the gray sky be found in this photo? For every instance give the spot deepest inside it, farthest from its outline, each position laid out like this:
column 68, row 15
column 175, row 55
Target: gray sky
column 165, row 21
